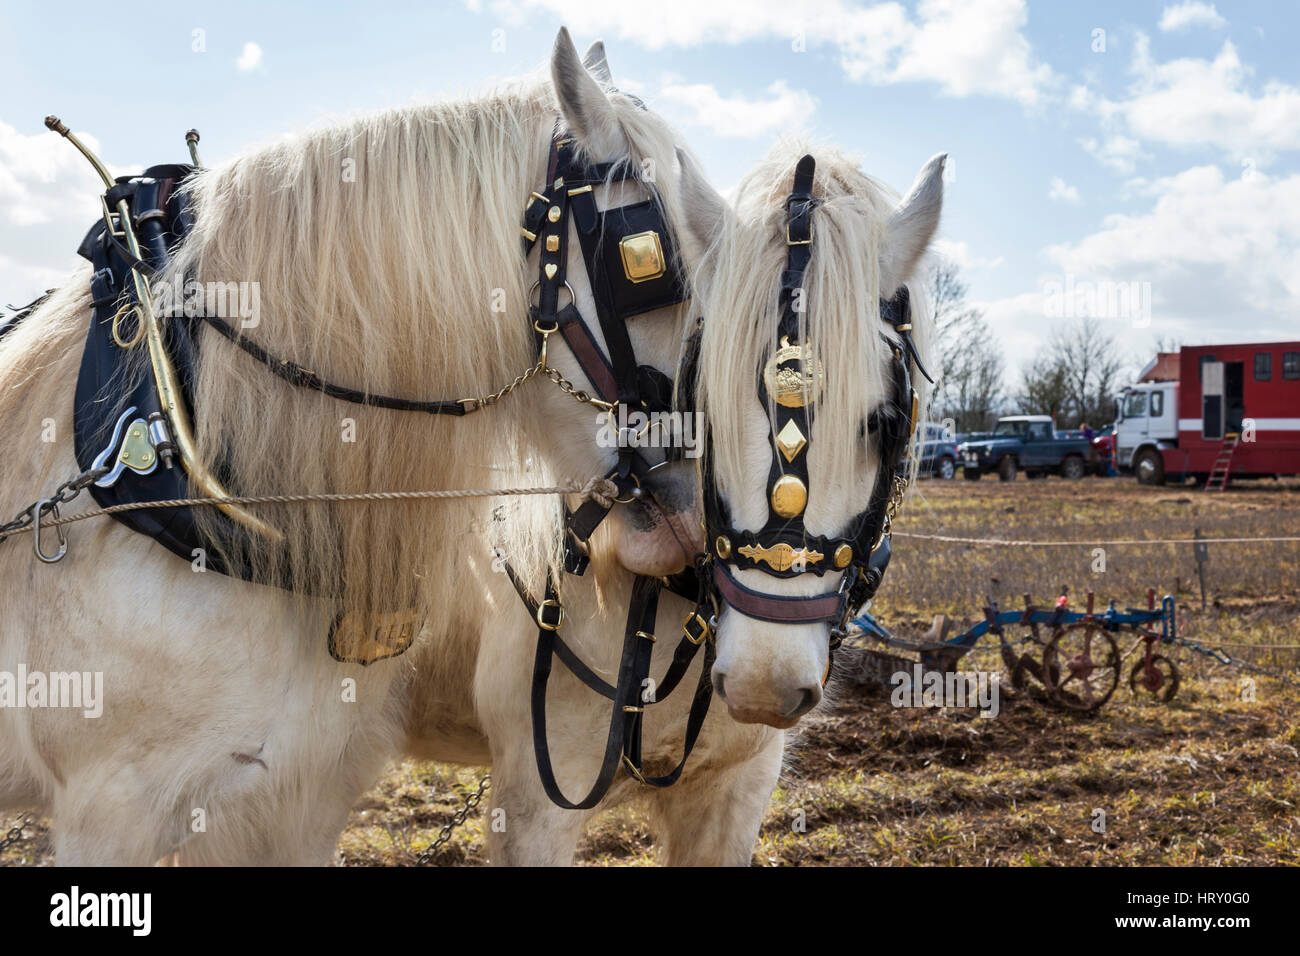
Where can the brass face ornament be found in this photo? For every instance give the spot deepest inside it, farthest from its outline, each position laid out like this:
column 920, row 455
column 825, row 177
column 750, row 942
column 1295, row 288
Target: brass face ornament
column 794, row 377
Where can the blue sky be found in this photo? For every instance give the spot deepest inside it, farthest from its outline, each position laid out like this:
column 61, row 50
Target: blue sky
column 1161, row 152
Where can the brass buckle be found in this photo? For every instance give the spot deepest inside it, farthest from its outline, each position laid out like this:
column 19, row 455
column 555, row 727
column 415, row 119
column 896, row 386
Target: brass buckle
column 109, row 215
column 797, row 242
column 542, row 622
column 646, row 635
column 695, row 618
column 633, row 769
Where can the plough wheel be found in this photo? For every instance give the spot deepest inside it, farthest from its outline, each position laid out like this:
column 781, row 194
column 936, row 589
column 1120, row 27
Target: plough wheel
column 1161, row 681
column 1081, row 666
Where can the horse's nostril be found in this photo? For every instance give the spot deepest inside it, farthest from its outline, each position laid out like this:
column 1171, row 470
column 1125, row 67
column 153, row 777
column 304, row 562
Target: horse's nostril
column 810, row 697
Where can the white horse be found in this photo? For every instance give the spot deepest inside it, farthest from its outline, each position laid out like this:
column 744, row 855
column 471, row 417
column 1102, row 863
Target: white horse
column 865, row 243
column 228, row 732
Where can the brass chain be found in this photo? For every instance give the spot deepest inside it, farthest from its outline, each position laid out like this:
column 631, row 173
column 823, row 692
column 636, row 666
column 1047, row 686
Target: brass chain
column 577, row 394
column 896, row 496
column 552, row 373
column 15, row 833
column 458, row 819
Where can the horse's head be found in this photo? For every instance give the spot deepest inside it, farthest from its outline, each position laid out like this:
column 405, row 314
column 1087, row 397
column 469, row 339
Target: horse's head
column 805, row 376
column 626, row 266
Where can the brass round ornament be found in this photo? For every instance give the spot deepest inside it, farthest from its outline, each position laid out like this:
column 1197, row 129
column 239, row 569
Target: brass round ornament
column 794, row 385
column 722, row 546
column 789, row 495
column 843, row 555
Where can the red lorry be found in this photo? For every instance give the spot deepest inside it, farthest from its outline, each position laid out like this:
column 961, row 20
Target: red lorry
column 1213, row 412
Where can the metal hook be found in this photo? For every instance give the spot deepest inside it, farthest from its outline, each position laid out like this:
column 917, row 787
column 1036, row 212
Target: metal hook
column 36, row 532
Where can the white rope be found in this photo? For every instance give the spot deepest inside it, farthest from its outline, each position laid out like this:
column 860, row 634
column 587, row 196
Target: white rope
column 1084, row 544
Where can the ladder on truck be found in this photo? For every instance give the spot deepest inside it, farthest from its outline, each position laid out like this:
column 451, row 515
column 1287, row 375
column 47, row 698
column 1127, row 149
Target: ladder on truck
column 1218, row 479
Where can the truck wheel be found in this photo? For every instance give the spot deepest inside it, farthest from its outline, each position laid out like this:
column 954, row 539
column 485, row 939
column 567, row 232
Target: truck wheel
column 1072, row 468
column 1150, row 468
column 972, row 473
column 1007, row 469
column 946, row 470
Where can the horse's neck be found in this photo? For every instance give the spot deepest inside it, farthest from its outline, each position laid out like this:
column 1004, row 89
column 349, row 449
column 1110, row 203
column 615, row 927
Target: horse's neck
column 38, row 376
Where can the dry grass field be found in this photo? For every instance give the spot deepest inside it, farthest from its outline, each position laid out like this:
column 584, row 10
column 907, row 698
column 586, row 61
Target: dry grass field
column 1208, row 779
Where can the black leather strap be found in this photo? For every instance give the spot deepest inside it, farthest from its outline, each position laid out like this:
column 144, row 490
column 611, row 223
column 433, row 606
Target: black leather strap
column 623, row 746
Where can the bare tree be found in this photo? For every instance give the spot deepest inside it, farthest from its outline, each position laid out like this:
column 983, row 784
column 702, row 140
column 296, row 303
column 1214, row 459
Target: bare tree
column 1075, row 376
column 970, row 388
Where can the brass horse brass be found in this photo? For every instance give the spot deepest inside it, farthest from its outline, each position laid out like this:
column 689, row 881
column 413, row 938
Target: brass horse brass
column 781, row 557
column 643, row 256
column 789, row 495
column 363, row 639
column 791, row 386
column 790, row 440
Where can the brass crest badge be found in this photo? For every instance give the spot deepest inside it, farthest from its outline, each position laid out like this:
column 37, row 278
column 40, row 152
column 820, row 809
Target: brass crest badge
column 794, row 376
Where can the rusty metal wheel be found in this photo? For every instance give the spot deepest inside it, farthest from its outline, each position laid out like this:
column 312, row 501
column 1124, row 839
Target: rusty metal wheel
column 1081, row 666
column 1161, row 681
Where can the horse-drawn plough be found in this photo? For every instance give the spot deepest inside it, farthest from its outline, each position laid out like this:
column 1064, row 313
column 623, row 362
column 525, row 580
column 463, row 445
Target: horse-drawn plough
column 1075, row 655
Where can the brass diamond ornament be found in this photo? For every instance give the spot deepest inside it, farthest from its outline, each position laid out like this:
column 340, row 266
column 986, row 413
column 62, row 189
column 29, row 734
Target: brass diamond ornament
column 790, row 440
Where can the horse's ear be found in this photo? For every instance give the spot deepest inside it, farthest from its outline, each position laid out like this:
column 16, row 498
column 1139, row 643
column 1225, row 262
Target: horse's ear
column 587, row 111
column 596, row 64
column 911, row 226
column 705, row 210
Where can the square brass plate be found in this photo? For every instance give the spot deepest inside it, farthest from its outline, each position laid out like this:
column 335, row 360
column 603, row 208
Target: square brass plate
column 643, row 256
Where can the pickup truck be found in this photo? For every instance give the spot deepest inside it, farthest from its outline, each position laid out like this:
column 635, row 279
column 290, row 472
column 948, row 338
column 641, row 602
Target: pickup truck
column 1028, row 443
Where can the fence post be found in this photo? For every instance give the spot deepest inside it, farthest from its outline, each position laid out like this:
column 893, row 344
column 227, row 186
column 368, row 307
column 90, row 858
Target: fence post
column 1202, row 552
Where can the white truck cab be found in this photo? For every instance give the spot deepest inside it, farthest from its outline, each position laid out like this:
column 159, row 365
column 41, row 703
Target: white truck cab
column 1147, row 422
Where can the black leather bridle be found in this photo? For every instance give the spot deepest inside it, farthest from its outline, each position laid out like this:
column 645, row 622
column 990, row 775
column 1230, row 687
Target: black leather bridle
column 627, row 278
column 782, row 547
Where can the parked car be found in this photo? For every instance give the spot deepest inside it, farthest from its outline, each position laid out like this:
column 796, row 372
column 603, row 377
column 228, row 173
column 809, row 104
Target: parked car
column 1027, row 442
column 938, row 452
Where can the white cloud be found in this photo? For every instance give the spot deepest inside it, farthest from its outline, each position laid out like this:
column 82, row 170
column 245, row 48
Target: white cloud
column 48, row 199
column 1192, row 13
column 966, row 47
column 1060, row 191
column 737, row 116
column 1118, row 153
column 1221, row 257
column 1192, row 103
column 959, row 254
column 250, row 58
